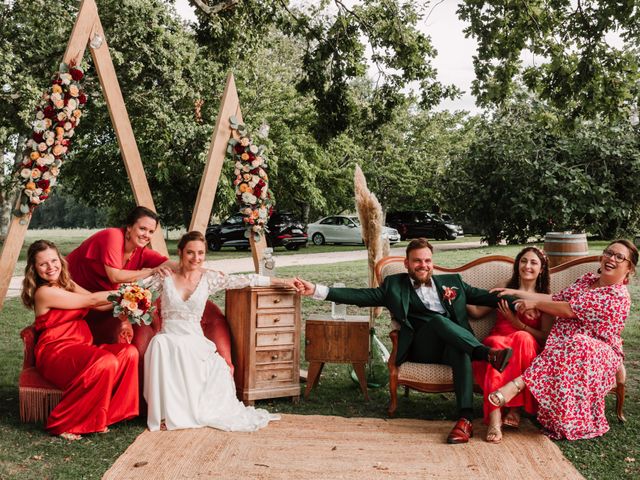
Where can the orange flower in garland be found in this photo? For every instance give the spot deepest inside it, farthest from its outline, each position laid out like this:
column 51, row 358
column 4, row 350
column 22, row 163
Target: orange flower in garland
column 57, row 116
column 250, row 179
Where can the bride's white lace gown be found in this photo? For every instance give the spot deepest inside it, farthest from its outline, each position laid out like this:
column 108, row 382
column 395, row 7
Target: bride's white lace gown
column 186, row 383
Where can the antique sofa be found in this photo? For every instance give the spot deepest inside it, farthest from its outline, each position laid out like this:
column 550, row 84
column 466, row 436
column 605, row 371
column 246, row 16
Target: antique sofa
column 486, row 272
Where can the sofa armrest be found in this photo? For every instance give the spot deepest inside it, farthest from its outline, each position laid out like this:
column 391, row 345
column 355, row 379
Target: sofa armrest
column 28, row 335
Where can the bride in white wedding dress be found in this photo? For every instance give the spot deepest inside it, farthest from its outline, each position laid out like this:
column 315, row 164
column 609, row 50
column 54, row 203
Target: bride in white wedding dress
column 186, row 383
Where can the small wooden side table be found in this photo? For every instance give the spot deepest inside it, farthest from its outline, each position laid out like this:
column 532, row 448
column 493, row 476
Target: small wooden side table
column 336, row 341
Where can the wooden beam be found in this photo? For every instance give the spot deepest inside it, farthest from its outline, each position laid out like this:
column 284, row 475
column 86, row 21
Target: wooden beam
column 229, row 106
column 124, row 132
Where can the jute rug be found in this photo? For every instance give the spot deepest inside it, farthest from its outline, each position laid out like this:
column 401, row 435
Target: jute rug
column 323, row 447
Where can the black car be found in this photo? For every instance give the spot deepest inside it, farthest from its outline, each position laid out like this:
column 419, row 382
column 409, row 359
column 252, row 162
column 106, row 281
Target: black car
column 283, row 229
column 414, row 224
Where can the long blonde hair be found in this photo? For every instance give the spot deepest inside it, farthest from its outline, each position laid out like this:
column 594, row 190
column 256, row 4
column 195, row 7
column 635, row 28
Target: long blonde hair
column 32, row 280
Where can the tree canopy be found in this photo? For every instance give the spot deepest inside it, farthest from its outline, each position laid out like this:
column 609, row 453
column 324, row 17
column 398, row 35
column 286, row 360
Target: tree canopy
column 584, row 53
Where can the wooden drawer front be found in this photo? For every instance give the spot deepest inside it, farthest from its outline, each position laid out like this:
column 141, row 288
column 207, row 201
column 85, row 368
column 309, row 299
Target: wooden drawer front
column 270, row 375
column 267, row 357
column 274, row 338
column 286, row 319
column 276, row 300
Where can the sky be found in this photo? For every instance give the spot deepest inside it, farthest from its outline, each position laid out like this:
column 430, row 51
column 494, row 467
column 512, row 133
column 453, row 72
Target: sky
column 454, row 62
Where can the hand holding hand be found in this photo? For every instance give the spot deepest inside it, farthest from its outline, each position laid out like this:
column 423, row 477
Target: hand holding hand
column 527, row 308
column 304, row 287
column 503, row 306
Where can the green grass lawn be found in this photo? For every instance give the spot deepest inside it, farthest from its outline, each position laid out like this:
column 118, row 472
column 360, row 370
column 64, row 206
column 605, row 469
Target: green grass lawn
column 26, row 452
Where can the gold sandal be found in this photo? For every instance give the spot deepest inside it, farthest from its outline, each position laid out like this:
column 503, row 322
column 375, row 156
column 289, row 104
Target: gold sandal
column 494, row 430
column 497, row 398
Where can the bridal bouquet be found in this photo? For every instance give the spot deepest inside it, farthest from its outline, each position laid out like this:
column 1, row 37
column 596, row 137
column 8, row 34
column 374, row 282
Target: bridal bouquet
column 135, row 302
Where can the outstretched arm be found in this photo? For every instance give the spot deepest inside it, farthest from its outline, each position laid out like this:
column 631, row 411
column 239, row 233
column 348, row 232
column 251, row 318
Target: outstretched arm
column 521, row 294
column 47, row 298
column 362, row 297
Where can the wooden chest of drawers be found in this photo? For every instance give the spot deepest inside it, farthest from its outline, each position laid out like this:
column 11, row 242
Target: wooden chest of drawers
column 265, row 340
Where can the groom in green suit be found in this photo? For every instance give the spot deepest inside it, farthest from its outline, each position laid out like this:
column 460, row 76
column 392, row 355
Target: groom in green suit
column 434, row 328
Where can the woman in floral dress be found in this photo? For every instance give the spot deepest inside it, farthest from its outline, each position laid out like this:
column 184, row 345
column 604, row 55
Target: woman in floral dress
column 578, row 366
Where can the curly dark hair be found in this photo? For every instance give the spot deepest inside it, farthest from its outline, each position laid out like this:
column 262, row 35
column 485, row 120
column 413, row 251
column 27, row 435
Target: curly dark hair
column 543, row 282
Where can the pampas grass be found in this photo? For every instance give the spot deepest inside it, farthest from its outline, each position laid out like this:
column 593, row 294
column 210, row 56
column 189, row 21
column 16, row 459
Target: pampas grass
column 370, row 214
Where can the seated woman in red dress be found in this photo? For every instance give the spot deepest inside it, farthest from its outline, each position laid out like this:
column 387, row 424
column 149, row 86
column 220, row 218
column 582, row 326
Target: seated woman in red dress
column 100, row 383
column 577, row 368
column 524, row 334
column 119, row 255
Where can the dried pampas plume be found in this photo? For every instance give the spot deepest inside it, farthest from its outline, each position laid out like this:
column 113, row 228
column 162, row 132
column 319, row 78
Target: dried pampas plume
column 370, row 214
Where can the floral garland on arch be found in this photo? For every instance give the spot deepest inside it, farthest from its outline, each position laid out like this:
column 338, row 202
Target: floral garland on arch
column 250, row 179
column 57, row 115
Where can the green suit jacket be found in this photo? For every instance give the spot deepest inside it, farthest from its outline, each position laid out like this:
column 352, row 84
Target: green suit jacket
column 394, row 295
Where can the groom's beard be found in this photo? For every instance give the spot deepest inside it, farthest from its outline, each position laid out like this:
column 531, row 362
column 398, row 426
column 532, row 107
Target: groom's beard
column 421, row 277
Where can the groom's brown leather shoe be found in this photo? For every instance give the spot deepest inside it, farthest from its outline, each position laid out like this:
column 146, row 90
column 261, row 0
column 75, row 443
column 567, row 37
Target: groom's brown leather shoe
column 461, row 432
column 499, row 358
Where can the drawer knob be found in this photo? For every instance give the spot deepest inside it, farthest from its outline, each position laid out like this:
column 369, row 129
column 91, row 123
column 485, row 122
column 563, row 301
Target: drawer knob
column 275, row 357
column 276, row 320
column 277, row 300
column 274, row 375
column 275, row 337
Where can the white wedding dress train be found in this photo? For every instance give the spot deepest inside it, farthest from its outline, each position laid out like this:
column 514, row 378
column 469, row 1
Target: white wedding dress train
column 187, row 384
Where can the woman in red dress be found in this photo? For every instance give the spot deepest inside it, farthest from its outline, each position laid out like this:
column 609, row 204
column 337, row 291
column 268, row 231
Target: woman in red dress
column 99, row 382
column 119, row 255
column 522, row 333
column 572, row 376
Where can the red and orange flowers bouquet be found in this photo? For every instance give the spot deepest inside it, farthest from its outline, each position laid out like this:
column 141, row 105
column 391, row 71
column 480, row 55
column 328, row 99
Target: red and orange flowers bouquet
column 251, row 180
column 57, row 116
column 134, row 302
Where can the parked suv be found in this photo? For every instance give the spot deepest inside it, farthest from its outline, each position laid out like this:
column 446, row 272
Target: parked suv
column 414, row 224
column 283, row 229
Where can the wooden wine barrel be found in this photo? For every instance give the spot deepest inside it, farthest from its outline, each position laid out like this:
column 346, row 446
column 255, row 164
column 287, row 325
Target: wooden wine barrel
column 561, row 247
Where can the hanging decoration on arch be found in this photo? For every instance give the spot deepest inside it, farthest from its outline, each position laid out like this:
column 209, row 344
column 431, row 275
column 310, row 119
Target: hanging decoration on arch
column 57, row 115
column 251, row 181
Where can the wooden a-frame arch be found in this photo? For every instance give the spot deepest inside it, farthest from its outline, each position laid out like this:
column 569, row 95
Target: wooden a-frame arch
column 86, row 28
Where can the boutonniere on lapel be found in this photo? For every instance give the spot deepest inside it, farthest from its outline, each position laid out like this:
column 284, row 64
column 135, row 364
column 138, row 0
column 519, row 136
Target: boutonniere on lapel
column 449, row 293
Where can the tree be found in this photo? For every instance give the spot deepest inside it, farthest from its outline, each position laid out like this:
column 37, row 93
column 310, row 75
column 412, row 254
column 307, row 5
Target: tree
column 525, row 174
column 577, row 68
column 336, row 38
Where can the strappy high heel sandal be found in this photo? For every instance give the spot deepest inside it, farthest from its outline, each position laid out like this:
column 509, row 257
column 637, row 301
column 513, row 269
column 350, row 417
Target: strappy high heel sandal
column 497, row 398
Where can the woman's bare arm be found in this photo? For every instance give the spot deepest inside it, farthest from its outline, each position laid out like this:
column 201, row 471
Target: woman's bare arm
column 47, row 298
column 118, row 275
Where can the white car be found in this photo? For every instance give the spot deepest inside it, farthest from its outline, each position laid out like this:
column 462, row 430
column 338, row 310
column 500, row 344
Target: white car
column 343, row 229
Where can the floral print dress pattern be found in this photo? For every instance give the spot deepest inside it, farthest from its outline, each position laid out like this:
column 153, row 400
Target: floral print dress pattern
column 572, row 376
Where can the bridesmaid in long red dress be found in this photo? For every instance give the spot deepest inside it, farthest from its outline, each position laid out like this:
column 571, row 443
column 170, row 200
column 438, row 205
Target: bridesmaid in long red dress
column 100, row 383
column 119, row 255
column 577, row 368
column 525, row 334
